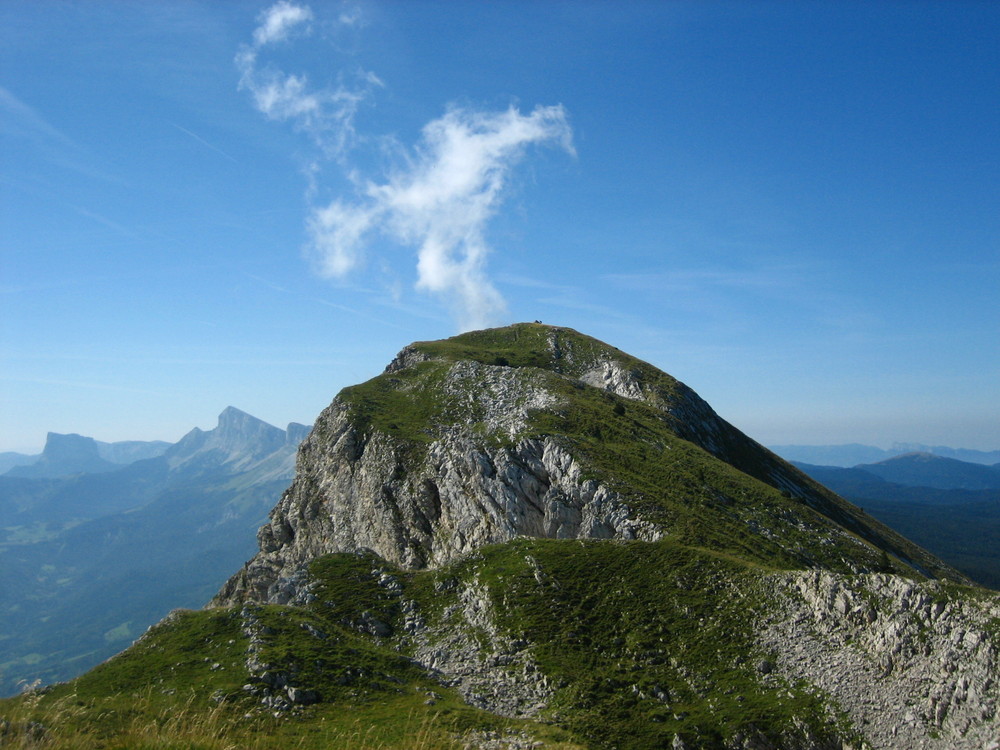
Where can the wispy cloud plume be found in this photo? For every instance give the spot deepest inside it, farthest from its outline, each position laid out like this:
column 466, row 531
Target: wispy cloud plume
column 438, row 201
column 278, row 20
column 325, row 114
column 441, row 203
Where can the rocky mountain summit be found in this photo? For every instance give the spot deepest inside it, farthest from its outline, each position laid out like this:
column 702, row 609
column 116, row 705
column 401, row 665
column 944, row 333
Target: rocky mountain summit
column 540, row 432
column 524, row 537
column 500, row 434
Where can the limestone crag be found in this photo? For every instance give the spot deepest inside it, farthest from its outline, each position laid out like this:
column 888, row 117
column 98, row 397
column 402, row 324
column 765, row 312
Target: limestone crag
column 356, row 491
column 911, row 666
column 526, row 432
column 473, row 474
column 693, row 419
column 502, row 677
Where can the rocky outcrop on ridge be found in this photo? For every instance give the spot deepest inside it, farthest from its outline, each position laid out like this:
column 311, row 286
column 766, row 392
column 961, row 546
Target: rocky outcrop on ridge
column 474, row 475
column 357, row 496
column 914, row 665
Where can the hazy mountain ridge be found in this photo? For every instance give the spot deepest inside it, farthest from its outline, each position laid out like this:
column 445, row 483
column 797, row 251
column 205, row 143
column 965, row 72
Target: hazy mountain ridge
column 929, row 470
column 959, row 525
column 852, row 454
column 66, row 454
column 89, row 561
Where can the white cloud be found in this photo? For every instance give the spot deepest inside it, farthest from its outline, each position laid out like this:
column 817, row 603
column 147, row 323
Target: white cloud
column 336, row 233
column 326, row 114
column 278, row 20
column 441, row 203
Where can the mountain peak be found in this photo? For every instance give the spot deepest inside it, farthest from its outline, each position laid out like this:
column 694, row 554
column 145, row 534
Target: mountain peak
column 237, row 437
column 233, row 420
column 555, row 348
column 536, row 430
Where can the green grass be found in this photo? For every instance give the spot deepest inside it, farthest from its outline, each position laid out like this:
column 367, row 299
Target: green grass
column 404, row 405
column 640, row 642
column 616, row 624
column 559, row 350
column 181, row 687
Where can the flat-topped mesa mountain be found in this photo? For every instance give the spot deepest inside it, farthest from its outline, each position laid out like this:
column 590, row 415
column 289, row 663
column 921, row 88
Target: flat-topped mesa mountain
column 539, row 431
column 65, row 455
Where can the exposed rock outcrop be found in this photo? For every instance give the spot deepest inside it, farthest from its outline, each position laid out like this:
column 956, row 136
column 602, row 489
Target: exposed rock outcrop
column 535, row 431
column 914, row 665
column 355, row 492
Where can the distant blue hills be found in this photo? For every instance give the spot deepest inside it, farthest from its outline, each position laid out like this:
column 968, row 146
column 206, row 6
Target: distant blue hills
column 949, row 507
column 98, row 541
column 852, row 454
column 72, row 454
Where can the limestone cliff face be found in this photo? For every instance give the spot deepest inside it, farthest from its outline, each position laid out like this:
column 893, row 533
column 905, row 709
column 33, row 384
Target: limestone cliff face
column 441, row 455
column 912, row 664
column 355, row 492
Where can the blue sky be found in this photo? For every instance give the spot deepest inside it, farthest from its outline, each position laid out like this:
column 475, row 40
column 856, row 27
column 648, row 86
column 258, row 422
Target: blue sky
column 792, row 207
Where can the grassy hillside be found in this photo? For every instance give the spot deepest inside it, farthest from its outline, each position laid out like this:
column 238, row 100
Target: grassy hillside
column 637, row 642
column 599, row 643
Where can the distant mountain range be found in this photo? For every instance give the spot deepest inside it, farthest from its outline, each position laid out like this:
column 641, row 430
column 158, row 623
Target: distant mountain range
column 73, row 454
column 852, row 454
column 98, row 541
column 949, row 507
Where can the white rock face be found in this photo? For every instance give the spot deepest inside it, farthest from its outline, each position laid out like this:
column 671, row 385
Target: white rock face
column 911, row 667
column 354, row 492
column 501, row 677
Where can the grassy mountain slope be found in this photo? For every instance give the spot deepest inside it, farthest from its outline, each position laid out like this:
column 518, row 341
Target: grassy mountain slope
column 660, row 445
column 632, row 658
column 546, row 642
